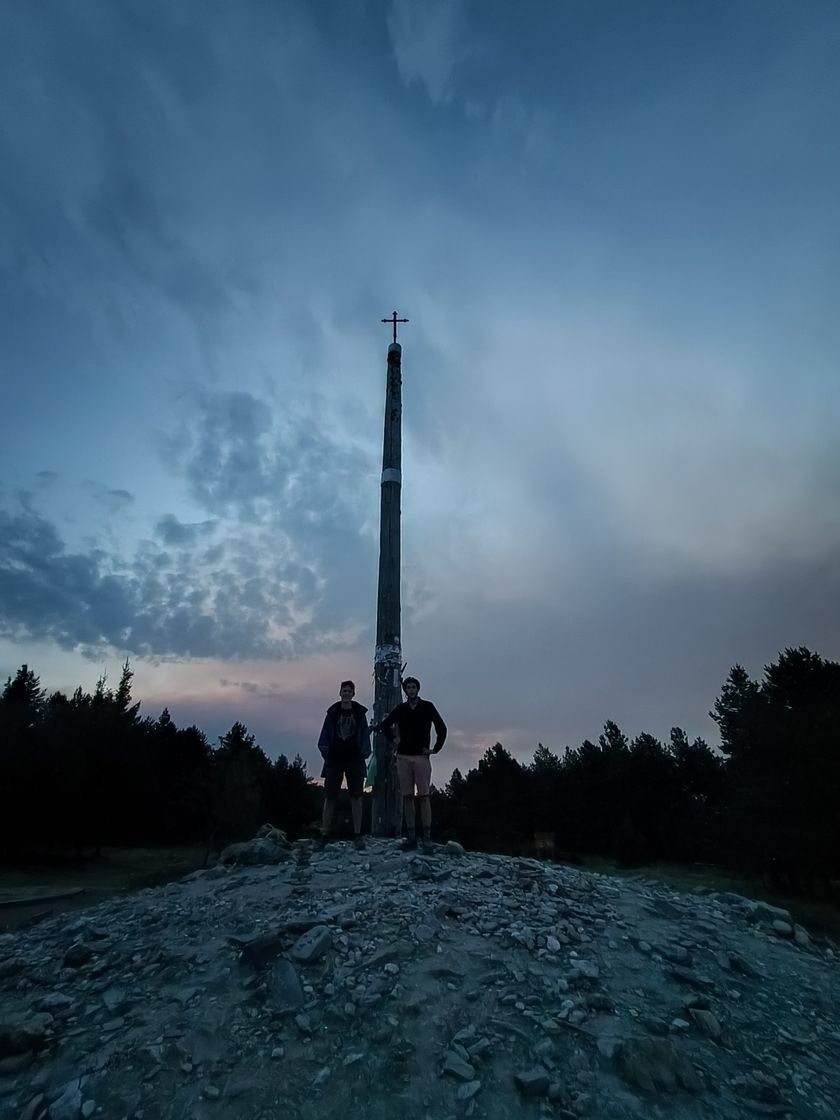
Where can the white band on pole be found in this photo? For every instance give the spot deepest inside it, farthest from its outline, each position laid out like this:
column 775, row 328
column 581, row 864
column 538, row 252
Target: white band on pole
column 391, row 474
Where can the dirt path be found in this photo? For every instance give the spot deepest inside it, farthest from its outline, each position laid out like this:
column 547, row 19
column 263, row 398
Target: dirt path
column 30, row 894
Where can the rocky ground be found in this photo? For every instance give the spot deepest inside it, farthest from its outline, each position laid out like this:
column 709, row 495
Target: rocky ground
column 381, row 984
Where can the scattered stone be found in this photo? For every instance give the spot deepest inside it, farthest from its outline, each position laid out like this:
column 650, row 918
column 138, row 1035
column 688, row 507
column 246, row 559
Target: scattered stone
column 285, row 987
column 654, row 1064
column 676, row 954
column 68, row 1104
column 268, row 847
column 583, row 971
column 453, row 1063
column 453, row 848
column 706, row 1022
column 757, row 911
column 533, row 1082
column 114, row 998
column 35, row 1107
column 77, row 955
column 702, row 1003
column 312, row 945
column 468, row 1090
column 740, row 964
column 663, row 908
column 783, row 928
column 257, row 949
column 691, row 979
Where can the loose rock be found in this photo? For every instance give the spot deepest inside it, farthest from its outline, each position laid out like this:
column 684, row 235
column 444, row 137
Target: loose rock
column 318, row 982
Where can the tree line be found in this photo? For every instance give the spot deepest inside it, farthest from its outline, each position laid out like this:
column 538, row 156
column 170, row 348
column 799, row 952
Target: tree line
column 87, row 770
column 767, row 802
column 81, row 772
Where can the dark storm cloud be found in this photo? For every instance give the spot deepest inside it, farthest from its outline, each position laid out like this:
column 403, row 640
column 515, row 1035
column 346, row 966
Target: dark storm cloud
column 275, row 571
column 225, row 456
column 159, row 605
column 241, row 458
column 281, row 472
column 47, row 592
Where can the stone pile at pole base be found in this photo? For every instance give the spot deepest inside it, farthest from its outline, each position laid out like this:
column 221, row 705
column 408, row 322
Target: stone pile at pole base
column 378, row 984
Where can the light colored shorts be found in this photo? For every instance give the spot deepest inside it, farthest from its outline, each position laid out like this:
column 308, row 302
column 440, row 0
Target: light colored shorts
column 414, row 770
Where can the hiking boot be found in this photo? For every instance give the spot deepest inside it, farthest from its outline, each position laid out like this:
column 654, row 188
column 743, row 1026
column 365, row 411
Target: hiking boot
column 359, row 843
column 409, row 844
column 427, row 848
column 320, row 843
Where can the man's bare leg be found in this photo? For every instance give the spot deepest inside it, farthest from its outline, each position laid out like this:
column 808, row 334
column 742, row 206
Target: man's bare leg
column 409, row 815
column 327, row 815
column 356, row 810
column 426, row 821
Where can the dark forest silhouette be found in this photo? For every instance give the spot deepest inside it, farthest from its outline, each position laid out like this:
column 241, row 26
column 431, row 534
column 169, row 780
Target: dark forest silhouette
column 82, row 772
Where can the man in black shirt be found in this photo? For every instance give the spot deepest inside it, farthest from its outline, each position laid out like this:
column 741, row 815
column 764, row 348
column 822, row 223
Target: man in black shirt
column 344, row 744
column 414, row 719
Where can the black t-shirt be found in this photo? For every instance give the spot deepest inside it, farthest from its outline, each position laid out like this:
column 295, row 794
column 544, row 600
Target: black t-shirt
column 344, row 749
column 415, row 726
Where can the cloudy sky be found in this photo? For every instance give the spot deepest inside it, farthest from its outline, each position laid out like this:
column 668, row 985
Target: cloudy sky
column 615, row 230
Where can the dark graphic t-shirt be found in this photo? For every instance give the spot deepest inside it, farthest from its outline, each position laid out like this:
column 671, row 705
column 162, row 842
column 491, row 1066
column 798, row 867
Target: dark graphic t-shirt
column 344, row 750
column 345, row 730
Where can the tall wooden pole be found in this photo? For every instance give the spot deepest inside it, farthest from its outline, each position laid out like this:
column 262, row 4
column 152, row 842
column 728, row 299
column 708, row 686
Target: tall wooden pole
column 387, row 661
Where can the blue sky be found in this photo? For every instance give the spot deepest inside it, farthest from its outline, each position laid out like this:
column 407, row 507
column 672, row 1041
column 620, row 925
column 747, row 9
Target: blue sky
column 615, row 231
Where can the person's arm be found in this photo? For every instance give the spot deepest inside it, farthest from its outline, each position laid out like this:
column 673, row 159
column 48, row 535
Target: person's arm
column 440, row 729
column 325, row 738
column 364, row 738
column 388, row 722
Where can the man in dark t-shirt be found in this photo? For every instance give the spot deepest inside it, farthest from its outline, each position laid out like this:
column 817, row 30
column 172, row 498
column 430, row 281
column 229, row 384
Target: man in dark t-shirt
column 344, row 744
column 414, row 719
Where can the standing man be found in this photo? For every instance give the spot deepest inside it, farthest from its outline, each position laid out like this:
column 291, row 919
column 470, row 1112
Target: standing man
column 414, row 719
column 344, row 744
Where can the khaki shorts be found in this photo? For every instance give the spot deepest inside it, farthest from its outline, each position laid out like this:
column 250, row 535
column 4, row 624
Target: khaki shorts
column 414, row 770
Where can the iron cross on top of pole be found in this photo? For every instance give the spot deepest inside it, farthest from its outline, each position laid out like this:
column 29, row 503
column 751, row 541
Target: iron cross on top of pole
column 394, row 320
